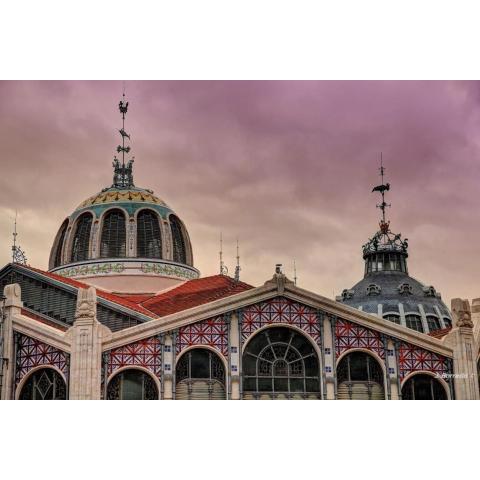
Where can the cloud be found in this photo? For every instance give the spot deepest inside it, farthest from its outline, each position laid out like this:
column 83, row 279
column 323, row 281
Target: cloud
column 285, row 166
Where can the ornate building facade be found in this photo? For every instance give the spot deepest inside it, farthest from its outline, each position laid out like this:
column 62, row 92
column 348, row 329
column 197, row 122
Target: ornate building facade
column 122, row 313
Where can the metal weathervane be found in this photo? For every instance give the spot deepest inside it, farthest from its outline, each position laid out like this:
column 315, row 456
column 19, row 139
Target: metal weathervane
column 123, row 173
column 384, row 187
column 18, row 255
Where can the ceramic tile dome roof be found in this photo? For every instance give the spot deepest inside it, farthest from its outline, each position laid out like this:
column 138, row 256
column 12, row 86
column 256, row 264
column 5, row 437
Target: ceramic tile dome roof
column 112, row 195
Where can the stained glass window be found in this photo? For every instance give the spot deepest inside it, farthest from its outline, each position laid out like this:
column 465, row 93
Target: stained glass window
column 423, row 387
column 44, row 384
column 359, row 377
column 81, row 238
column 149, row 240
column 280, row 363
column 57, row 261
column 132, row 384
column 113, row 241
column 200, row 374
column 179, row 249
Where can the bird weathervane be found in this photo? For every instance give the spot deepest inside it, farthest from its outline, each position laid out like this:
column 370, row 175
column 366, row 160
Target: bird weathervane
column 384, row 187
column 123, row 173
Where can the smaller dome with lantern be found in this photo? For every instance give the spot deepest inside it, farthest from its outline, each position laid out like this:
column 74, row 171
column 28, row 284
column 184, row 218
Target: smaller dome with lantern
column 387, row 290
column 122, row 233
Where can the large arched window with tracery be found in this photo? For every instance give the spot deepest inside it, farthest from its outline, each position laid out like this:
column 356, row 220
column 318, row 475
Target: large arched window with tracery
column 423, row 387
column 44, row 384
column 57, row 259
column 132, row 384
column 179, row 247
column 149, row 239
column 200, row 375
column 280, row 363
column 359, row 377
column 113, row 240
column 81, row 238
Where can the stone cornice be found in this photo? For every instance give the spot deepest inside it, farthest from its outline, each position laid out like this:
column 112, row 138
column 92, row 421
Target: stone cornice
column 42, row 332
column 266, row 292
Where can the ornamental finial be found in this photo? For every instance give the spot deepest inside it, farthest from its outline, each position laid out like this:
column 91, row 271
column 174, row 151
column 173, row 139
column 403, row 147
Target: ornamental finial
column 384, row 187
column 123, row 173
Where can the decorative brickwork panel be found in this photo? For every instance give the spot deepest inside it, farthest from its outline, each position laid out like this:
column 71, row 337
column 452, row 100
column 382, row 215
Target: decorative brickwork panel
column 33, row 353
column 212, row 332
column 349, row 335
column 145, row 353
column 412, row 359
column 280, row 310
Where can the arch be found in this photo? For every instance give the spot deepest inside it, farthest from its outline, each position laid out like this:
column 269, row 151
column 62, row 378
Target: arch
column 132, row 383
column 360, row 376
column 57, row 251
column 81, row 238
column 200, row 374
column 149, row 236
column 424, row 385
column 44, row 382
column 113, row 237
column 281, row 362
column 179, row 244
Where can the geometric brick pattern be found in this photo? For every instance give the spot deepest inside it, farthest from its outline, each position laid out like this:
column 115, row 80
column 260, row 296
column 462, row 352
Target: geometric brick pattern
column 412, row 359
column 212, row 332
column 280, row 310
column 33, row 353
column 146, row 353
column 349, row 335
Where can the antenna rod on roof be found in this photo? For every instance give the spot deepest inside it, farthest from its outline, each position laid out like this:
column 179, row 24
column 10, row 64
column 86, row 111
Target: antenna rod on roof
column 223, row 268
column 237, row 268
column 294, row 272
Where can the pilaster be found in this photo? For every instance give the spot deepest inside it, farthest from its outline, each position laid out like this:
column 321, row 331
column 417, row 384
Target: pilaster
column 12, row 308
column 329, row 370
column 234, row 355
column 86, row 336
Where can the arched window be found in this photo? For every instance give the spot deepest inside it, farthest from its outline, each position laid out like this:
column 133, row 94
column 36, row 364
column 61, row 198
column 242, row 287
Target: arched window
column 179, row 250
column 280, row 363
column 414, row 322
column 433, row 323
column 359, row 377
column 149, row 239
column 81, row 238
column 57, row 259
column 132, row 384
column 447, row 321
column 200, row 375
column 113, row 241
column 423, row 387
column 44, row 384
column 392, row 317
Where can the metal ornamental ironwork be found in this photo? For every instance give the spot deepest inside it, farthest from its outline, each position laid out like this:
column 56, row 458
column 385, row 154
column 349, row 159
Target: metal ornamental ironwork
column 212, row 332
column 280, row 310
column 349, row 335
column 413, row 359
column 32, row 353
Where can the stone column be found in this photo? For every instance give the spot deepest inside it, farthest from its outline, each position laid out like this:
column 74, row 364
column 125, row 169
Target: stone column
column 234, row 352
column 168, row 366
column 13, row 305
column 464, row 365
column 86, row 337
column 329, row 370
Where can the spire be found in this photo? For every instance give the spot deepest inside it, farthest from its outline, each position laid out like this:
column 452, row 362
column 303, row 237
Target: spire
column 123, row 174
column 223, row 268
column 18, row 255
column 237, row 268
column 384, row 187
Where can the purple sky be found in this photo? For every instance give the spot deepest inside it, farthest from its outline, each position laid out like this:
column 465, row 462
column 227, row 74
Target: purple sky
column 288, row 167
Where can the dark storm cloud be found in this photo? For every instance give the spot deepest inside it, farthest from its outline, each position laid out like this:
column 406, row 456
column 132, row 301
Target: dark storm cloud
column 285, row 166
